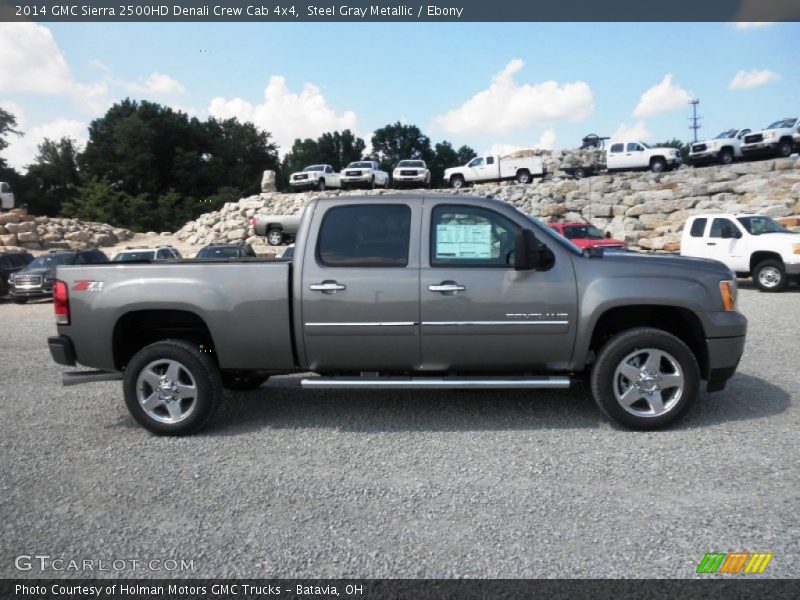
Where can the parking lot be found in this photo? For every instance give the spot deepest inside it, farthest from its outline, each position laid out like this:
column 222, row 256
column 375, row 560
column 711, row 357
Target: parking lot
column 285, row 483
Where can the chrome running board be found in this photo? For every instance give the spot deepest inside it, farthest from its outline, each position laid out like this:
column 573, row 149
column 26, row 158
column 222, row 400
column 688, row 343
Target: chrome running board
column 433, row 383
column 79, row 377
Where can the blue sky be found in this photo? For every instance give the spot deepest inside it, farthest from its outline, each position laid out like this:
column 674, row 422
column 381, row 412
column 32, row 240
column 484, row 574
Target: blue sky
column 485, row 85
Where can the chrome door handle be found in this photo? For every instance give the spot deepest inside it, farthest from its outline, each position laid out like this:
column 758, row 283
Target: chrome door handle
column 329, row 287
column 711, row 243
column 447, row 287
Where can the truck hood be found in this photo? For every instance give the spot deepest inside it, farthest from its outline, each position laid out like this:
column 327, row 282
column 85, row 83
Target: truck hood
column 666, row 261
column 44, row 272
column 604, row 243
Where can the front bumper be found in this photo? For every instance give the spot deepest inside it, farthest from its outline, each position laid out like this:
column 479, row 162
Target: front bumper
column 724, row 346
column 62, row 350
column 701, row 158
column 39, row 291
column 792, row 268
column 303, row 185
column 759, row 148
column 409, row 179
column 357, row 180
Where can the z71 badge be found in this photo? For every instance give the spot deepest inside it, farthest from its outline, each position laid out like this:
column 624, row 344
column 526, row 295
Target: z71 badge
column 88, row 286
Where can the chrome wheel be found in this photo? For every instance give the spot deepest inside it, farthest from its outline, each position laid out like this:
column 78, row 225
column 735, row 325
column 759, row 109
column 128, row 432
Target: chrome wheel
column 166, row 391
column 769, row 277
column 274, row 237
column 648, row 382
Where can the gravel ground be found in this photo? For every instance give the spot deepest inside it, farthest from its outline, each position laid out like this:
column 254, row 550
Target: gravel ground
column 287, row 483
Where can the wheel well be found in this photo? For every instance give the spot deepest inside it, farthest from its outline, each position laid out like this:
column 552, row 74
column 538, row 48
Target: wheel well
column 787, row 138
column 726, row 149
column 761, row 256
column 271, row 226
column 138, row 329
column 680, row 322
column 655, row 158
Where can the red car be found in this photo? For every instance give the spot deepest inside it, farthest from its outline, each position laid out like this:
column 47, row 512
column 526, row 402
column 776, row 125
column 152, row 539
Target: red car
column 585, row 235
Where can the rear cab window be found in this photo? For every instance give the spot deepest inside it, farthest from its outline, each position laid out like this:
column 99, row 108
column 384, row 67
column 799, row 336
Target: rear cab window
column 362, row 235
column 698, row 227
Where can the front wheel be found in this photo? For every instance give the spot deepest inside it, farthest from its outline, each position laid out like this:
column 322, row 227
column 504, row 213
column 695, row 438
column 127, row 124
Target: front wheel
column 645, row 378
column 784, row 148
column 659, row 165
column 171, row 388
column 770, row 276
column 457, row 181
column 321, row 185
column 275, row 237
column 725, row 157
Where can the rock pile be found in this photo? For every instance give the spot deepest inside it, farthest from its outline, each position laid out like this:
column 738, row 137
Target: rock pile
column 647, row 210
column 20, row 231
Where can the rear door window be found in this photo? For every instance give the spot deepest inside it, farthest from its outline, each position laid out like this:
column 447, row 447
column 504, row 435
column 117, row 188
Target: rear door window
column 617, row 147
column 698, row 227
column 363, row 235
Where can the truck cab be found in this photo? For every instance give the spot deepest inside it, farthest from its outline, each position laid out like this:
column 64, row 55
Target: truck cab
column 632, row 155
column 6, row 196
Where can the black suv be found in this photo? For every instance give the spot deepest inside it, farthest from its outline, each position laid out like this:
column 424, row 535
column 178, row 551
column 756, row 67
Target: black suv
column 234, row 250
column 11, row 262
column 37, row 279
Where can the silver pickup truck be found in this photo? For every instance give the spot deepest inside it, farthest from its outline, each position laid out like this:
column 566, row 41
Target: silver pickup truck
column 412, row 291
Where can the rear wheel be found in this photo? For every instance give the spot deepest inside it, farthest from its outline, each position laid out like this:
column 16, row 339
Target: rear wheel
column 171, row 388
column 275, row 237
column 658, row 165
column 523, row 176
column 645, row 378
column 770, row 276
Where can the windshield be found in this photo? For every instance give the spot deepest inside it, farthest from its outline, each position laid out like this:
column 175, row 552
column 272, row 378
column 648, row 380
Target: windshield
column 134, row 256
column 315, row 168
column 759, row 225
column 726, row 134
column 360, row 165
column 648, row 146
column 583, row 232
column 51, row 261
column 782, row 124
column 419, row 164
column 219, row 252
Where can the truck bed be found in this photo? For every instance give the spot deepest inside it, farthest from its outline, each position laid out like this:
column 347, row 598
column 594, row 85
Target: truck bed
column 243, row 302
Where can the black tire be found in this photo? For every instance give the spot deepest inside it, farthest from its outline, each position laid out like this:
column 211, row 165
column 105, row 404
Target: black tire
column 240, row 381
column 579, row 173
column 457, row 181
column 784, row 148
column 372, row 183
column 20, row 300
column 658, row 165
column 321, row 185
column 203, row 371
column 524, row 176
column 275, row 237
column 770, row 276
column 633, row 345
column 725, row 157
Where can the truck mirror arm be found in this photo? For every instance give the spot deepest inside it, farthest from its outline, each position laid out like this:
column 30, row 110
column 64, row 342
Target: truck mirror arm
column 531, row 254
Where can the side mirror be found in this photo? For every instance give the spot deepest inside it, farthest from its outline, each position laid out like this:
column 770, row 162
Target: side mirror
column 530, row 253
column 608, row 235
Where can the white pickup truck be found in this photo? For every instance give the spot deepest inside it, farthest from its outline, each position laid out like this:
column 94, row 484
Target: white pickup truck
column 411, row 173
column 749, row 245
column 778, row 138
column 364, row 173
column 491, row 167
column 631, row 155
column 316, row 177
column 723, row 149
column 6, row 196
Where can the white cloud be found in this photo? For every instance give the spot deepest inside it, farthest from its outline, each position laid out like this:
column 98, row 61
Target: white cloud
column 285, row 114
column 99, row 64
column 746, row 80
column 507, row 105
column 30, row 61
column 546, row 141
column 742, row 25
column 662, row 97
column 22, row 151
column 157, row 84
column 626, row 132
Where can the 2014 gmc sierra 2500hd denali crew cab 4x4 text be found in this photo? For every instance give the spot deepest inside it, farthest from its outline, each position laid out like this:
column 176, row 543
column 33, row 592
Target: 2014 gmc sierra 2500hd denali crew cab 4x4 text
column 410, row 291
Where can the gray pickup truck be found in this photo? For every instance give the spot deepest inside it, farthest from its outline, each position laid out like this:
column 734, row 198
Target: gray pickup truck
column 413, row 291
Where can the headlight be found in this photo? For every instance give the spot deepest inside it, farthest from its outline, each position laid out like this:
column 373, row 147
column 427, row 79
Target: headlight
column 727, row 290
column 11, row 277
column 712, row 144
column 770, row 135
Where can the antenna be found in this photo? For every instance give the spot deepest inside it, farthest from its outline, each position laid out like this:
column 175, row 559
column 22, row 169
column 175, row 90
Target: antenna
column 694, row 118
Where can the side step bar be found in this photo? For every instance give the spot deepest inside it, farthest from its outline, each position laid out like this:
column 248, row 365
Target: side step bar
column 79, row 377
column 433, row 383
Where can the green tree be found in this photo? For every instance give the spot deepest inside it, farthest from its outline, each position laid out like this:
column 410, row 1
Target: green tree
column 8, row 122
column 99, row 200
column 446, row 156
column 52, row 179
column 395, row 142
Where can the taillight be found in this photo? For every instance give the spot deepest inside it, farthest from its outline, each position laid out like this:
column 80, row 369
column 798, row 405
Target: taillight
column 61, row 303
column 253, row 221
